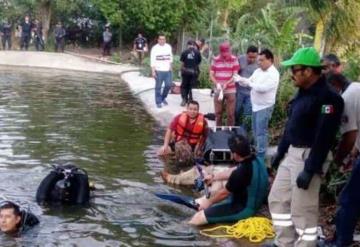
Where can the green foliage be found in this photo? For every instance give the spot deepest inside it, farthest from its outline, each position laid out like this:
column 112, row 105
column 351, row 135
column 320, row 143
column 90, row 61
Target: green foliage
column 334, row 182
column 285, row 92
column 352, row 67
column 116, row 57
column 273, row 27
column 204, row 79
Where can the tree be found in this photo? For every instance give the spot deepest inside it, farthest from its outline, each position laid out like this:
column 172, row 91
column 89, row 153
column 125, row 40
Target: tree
column 273, row 27
column 337, row 21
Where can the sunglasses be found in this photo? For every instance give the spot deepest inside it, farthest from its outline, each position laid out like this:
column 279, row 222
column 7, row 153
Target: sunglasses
column 295, row 70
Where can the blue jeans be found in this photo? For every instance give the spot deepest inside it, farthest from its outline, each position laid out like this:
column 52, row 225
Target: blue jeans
column 349, row 211
column 166, row 77
column 260, row 122
column 242, row 101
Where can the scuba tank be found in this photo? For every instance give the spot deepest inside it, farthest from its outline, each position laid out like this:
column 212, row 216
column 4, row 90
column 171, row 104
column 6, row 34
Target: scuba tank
column 65, row 184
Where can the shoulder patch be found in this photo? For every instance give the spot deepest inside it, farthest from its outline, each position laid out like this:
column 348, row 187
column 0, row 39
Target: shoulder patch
column 327, row 109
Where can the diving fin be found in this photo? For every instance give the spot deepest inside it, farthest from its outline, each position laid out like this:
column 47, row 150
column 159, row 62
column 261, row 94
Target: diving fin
column 188, row 201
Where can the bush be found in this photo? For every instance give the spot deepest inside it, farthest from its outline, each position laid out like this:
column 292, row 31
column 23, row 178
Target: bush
column 352, row 67
column 285, row 92
column 116, row 57
column 204, row 78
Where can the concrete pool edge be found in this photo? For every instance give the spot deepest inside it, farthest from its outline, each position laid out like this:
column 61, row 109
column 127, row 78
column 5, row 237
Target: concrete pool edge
column 60, row 61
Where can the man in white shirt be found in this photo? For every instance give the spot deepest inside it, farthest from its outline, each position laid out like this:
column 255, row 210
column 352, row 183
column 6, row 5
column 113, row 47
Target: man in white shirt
column 263, row 83
column 348, row 149
column 161, row 61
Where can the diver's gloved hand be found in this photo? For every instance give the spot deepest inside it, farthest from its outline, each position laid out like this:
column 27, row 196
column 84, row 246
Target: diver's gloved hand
column 276, row 161
column 303, row 180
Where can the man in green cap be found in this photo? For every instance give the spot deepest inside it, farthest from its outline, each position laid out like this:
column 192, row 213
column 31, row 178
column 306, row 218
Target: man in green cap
column 314, row 118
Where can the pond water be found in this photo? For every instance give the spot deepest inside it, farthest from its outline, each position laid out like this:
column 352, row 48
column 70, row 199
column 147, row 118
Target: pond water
column 50, row 117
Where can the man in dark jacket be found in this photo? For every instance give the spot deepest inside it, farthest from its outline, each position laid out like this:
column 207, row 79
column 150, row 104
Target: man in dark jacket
column 38, row 36
column 25, row 34
column 310, row 131
column 59, row 34
column 6, row 35
column 190, row 60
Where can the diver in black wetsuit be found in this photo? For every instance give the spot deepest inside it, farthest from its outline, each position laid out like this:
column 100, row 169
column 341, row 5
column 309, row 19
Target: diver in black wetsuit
column 15, row 221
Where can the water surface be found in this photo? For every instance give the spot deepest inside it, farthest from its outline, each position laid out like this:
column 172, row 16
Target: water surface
column 51, row 117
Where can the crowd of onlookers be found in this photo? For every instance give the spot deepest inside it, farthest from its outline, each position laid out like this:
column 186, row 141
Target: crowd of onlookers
column 30, row 31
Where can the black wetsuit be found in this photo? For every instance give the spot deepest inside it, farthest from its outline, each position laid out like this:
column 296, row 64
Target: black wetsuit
column 28, row 220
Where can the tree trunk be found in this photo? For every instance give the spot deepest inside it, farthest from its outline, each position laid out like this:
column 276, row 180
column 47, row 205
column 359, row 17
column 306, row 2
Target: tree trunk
column 319, row 40
column 45, row 13
column 225, row 17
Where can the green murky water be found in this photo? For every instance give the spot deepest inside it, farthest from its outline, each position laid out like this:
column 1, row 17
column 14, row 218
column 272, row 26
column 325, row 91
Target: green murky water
column 50, row 117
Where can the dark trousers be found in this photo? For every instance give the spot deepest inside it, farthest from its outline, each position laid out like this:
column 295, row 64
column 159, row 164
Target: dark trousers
column 140, row 56
column 349, row 211
column 6, row 39
column 187, row 84
column 24, row 41
column 59, row 44
column 39, row 43
column 243, row 109
column 106, row 48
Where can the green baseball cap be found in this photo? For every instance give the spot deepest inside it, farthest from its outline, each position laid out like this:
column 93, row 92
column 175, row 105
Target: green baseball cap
column 307, row 56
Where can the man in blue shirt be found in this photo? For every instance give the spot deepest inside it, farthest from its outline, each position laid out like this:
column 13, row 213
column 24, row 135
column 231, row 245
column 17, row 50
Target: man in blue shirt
column 248, row 64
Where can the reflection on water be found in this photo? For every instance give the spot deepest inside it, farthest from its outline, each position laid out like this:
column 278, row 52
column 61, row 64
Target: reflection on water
column 49, row 117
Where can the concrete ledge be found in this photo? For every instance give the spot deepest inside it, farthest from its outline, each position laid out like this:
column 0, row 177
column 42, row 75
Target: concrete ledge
column 59, row 61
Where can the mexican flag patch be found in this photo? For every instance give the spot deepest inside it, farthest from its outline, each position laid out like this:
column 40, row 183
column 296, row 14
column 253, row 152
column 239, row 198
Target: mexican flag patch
column 327, row 109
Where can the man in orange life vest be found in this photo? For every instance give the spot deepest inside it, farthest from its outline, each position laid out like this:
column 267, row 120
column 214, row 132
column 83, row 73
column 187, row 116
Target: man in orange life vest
column 190, row 126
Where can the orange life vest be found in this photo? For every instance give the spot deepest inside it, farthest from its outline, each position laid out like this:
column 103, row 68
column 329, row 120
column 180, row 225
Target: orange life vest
column 192, row 136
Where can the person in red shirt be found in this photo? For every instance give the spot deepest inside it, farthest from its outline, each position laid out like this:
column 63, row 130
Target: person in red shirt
column 190, row 126
column 223, row 68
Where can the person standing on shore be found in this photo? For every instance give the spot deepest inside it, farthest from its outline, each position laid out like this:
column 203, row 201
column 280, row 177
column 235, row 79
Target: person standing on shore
column 161, row 59
column 190, row 60
column 59, row 34
column 25, row 33
column 38, row 36
column 248, row 64
column 223, row 68
column 107, row 39
column 6, row 35
column 140, row 47
column 302, row 154
column 263, row 83
column 347, row 157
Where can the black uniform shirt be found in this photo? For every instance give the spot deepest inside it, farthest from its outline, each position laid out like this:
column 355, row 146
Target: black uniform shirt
column 26, row 28
column 313, row 120
column 191, row 58
column 6, row 29
column 140, row 43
